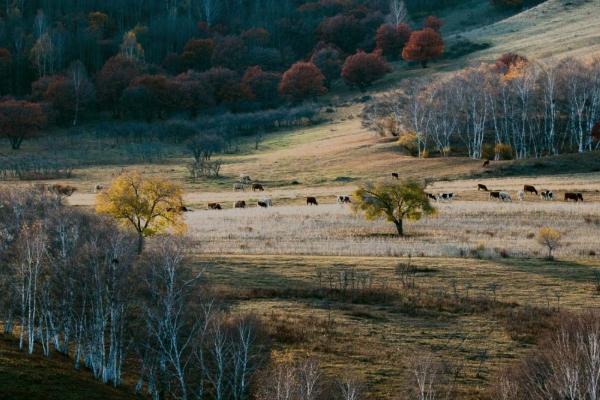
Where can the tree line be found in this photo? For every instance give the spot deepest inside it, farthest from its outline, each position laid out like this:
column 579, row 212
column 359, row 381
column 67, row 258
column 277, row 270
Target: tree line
column 514, row 108
column 219, row 67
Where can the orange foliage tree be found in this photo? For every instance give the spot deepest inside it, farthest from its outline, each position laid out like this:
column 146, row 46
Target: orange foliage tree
column 423, row 46
column 362, row 69
column 302, row 81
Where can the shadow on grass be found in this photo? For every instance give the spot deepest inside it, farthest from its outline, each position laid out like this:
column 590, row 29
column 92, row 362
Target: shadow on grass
column 557, row 269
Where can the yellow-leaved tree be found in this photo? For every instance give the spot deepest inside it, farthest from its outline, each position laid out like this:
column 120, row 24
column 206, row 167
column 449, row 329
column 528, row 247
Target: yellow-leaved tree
column 393, row 201
column 148, row 205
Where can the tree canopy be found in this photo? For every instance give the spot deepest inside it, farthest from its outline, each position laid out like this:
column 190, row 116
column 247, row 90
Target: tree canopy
column 148, row 205
column 395, row 202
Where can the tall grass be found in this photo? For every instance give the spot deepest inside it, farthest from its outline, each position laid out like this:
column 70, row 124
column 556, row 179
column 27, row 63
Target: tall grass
column 461, row 229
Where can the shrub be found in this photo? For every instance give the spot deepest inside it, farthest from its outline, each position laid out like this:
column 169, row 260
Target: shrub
column 391, row 39
column 328, row 60
column 550, row 238
column 503, row 151
column 408, row 141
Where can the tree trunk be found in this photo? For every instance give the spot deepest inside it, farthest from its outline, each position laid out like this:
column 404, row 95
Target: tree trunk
column 399, row 227
column 140, row 247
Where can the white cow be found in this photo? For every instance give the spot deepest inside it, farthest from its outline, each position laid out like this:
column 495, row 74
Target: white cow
column 343, row 199
column 546, row 195
column 504, row 196
column 521, row 195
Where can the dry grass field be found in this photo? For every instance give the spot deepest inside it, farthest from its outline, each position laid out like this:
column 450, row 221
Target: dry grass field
column 460, row 229
column 553, row 29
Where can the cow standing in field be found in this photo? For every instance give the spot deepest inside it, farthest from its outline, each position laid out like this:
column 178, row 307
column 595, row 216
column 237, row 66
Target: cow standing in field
column 239, row 204
column 265, row 203
column 257, row 187
column 482, row 187
column 62, row 190
column 486, row 163
column 547, row 195
column 395, row 175
column 311, row 201
column 494, row 195
column 504, row 196
column 521, row 195
column 446, row 196
column 214, row 206
column 530, row 189
column 575, row 196
column 431, row 196
column 343, row 199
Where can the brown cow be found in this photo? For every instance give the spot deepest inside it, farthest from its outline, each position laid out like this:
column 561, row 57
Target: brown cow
column 494, row 195
column 257, row 186
column 62, row 190
column 530, row 189
column 395, row 175
column 311, row 201
column 214, row 206
column 576, row 196
column 486, row 163
column 482, row 187
column 240, row 204
column 263, row 204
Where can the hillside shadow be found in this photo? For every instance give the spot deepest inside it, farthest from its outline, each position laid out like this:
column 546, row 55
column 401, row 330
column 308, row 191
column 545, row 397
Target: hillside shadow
column 558, row 269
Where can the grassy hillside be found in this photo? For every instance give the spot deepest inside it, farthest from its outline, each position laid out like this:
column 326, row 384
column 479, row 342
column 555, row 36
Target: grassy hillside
column 553, row 29
column 33, row 377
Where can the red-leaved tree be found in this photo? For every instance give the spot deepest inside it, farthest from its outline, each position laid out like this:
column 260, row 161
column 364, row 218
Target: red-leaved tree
column 391, row 39
column 193, row 92
column 345, row 31
column 362, row 69
column 197, row 54
column 508, row 60
column 262, row 85
column 423, row 46
column 20, row 120
column 302, row 81
column 114, row 77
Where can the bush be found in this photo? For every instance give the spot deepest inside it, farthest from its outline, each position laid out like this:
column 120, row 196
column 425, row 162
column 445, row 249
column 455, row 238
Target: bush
column 503, row 151
column 302, row 81
column 408, row 141
column 362, row 69
column 550, row 238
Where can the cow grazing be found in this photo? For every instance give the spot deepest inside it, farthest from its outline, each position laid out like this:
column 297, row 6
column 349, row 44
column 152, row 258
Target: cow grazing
column 62, row 190
column 504, row 196
column 239, row 204
column 530, row 189
column 98, row 188
column 267, row 201
column 446, row 196
column 257, row 187
column 214, row 206
column 521, row 195
column 343, row 199
column 311, row 201
column 486, row 163
column 262, row 204
column 238, row 186
column 575, row 196
column 546, row 195
column 431, row 196
column 395, row 175
column 245, row 178
column 482, row 187
column 494, row 195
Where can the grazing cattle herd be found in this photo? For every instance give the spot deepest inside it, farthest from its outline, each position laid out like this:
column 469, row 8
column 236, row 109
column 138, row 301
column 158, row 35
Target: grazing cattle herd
column 266, row 202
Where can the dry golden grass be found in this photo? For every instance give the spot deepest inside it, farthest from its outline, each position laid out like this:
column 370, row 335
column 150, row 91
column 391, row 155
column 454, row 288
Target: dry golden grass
column 460, row 229
column 555, row 28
